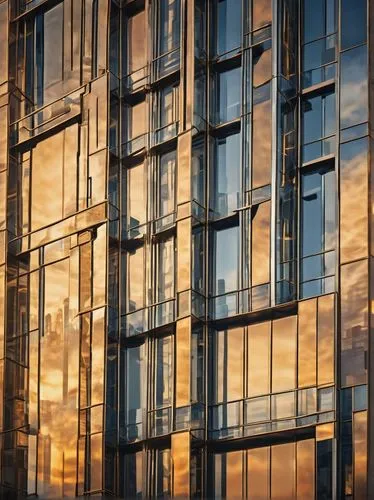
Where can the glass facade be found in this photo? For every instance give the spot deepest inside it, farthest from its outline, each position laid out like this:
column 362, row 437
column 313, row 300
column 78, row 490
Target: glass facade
column 186, row 249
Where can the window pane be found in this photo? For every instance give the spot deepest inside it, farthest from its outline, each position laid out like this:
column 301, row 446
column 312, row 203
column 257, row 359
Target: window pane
column 163, row 474
column 227, row 359
column 229, row 25
column 134, row 384
column 164, row 374
column 283, row 472
column 183, row 356
column 307, row 343
column 228, row 98
column 166, row 184
column 165, row 287
column 258, row 473
column 354, row 87
column 132, row 476
column 360, row 455
column 226, row 260
column 326, row 338
column 314, row 19
column 227, row 174
column 305, row 469
column 284, row 354
column 53, row 51
column 136, row 198
column 137, row 120
column 262, row 69
column 353, row 22
column 261, row 13
column 180, row 449
column 166, row 107
column 261, row 142
column 47, row 184
column 354, row 323
column 228, row 475
column 168, row 35
column 259, row 359
column 198, row 259
column 136, row 39
column 261, row 244
column 318, row 211
column 354, row 200
column 135, row 280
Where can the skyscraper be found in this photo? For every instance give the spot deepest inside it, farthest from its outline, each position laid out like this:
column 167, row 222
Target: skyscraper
column 186, row 244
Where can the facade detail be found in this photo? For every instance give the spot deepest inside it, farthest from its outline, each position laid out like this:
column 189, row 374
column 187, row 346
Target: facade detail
column 185, row 249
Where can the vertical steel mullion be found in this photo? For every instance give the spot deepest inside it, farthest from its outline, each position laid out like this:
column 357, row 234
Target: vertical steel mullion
column 274, row 144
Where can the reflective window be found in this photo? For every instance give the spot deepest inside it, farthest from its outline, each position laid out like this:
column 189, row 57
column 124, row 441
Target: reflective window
column 165, row 113
column 163, row 376
column 319, row 19
column 198, row 259
column 319, row 51
column 135, row 391
column 165, row 270
column 166, row 184
column 131, row 475
column 162, row 474
column 260, row 244
column 226, row 260
column 318, row 220
column 354, row 87
column 228, row 25
column 136, row 196
column 261, row 138
column 59, row 152
column 283, row 471
column 136, row 124
column 307, row 343
column 305, row 475
column 226, row 185
column 262, row 13
column 228, row 475
column 168, row 33
column 284, row 354
column 258, row 473
column 262, row 64
column 326, row 336
column 354, row 199
column 227, row 365
column 354, row 323
column 319, row 58
column 136, row 42
column 318, row 126
column 353, row 22
column 135, row 280
column 259, row 359
column 197, row 364
column 198, row 172
column 360, row 436
column 228, row 95
column 49, row 42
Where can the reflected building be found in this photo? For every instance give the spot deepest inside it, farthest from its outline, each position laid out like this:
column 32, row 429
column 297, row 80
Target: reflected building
column 185, row 249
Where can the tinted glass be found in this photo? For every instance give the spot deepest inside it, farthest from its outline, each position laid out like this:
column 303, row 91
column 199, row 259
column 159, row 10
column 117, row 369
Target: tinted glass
column 226, row 260
column 354, row 87
column 229, row 92
column 354, row 200
column 353, row 22
column 229, row 19
column 227, row 174
column 354, row 323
